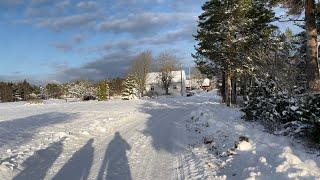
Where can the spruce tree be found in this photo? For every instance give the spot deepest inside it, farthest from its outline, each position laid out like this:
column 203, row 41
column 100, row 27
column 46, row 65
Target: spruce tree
column 130, row 88
column 103, row 90
column 228, row 31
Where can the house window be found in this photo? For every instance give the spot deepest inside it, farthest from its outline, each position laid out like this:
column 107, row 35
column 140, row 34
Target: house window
column 152, row 88
column 175, row 87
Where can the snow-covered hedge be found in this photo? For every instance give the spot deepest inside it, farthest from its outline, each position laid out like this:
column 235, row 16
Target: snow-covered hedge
column 81, row 89
column 281, row 112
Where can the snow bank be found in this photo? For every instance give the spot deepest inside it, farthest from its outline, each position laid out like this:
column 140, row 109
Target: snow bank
column 243, row 150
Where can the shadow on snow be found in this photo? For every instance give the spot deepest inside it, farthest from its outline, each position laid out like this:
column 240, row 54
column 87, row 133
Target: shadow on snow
column 79, row 165
column 20, row 130
column 115, row 164
column 164, row 125
column 271, row 157
column 38, row 164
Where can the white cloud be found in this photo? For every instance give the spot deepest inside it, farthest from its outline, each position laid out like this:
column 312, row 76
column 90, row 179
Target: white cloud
column 128, row 26
column 145, row 23
column 72, row 21
column 87, row 4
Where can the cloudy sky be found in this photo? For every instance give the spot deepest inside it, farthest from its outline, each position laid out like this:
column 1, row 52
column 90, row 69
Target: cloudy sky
column 62, row 40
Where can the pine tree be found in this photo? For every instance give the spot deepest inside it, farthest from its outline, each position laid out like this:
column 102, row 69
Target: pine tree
column 25, row 90
column 311, row 8
column 130, row 88
column 228, row 31
column 54, row 91
column 103, row 91
column 6, row 92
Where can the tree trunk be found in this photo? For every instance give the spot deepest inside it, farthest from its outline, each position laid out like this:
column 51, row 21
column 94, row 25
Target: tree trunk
column 244, row 88
column 228, row 89
column 312, row 44
column 234, row 89
column 223, row 87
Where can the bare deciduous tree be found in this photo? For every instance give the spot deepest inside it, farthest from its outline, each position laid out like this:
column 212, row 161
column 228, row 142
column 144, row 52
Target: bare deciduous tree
column 140, row 67
column 166, row 63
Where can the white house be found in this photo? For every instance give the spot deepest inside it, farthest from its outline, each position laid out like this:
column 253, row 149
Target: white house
column 177, row 87
column 193, row 84
column 206, row 84
column 198, row 84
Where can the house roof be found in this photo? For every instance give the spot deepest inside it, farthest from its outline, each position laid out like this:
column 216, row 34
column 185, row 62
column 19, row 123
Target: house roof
column 154, row 77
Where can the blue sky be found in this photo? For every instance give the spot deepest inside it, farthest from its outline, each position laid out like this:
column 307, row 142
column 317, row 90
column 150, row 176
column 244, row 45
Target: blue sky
column 63, row 40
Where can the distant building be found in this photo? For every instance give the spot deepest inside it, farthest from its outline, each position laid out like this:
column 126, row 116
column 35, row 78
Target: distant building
column 204, row 84
column 193, row 83
column 189, row 86
column 177, row 87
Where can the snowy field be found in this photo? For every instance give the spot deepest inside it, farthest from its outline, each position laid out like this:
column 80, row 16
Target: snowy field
column 166, row 138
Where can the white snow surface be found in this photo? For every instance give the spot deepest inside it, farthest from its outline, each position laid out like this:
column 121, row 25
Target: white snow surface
column 165, row 138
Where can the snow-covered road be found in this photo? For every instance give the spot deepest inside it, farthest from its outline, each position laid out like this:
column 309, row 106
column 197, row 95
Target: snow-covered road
column 165, row 138
column 140, row 139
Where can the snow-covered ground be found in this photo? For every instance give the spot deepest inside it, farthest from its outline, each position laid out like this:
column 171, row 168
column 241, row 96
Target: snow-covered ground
column 226, row 147
column 165, row 138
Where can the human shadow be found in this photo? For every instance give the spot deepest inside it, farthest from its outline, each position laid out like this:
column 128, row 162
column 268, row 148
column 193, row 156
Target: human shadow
column 19, row 131
column 37, row 166
column 115, row 165
column 79, row 165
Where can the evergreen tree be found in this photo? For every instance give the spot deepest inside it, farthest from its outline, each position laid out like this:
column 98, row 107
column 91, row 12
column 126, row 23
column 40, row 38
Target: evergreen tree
column 228, row 31
column 6, row 92
column 130, row 88
column 20, row 91
column 311, row 8
column 103, row 91
column 24, row 89
column 54, row 91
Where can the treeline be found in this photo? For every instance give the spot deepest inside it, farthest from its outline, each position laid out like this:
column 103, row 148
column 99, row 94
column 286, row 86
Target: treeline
column 83, row 89
column 130, row 87
column 275, row 72
column 21, row 91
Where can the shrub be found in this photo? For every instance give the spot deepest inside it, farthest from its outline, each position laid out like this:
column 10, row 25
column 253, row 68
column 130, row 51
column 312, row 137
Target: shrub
column 309, row 113
column 284, row 113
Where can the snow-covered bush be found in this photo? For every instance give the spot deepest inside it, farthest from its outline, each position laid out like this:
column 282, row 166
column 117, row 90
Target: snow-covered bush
column 309, row 113
column 305, row 118
column 282, row 112
column 260, row 104
column 81, row 89
column 130, row 89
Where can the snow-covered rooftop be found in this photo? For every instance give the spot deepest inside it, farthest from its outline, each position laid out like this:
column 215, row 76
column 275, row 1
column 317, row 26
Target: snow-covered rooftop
column 154, row 77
